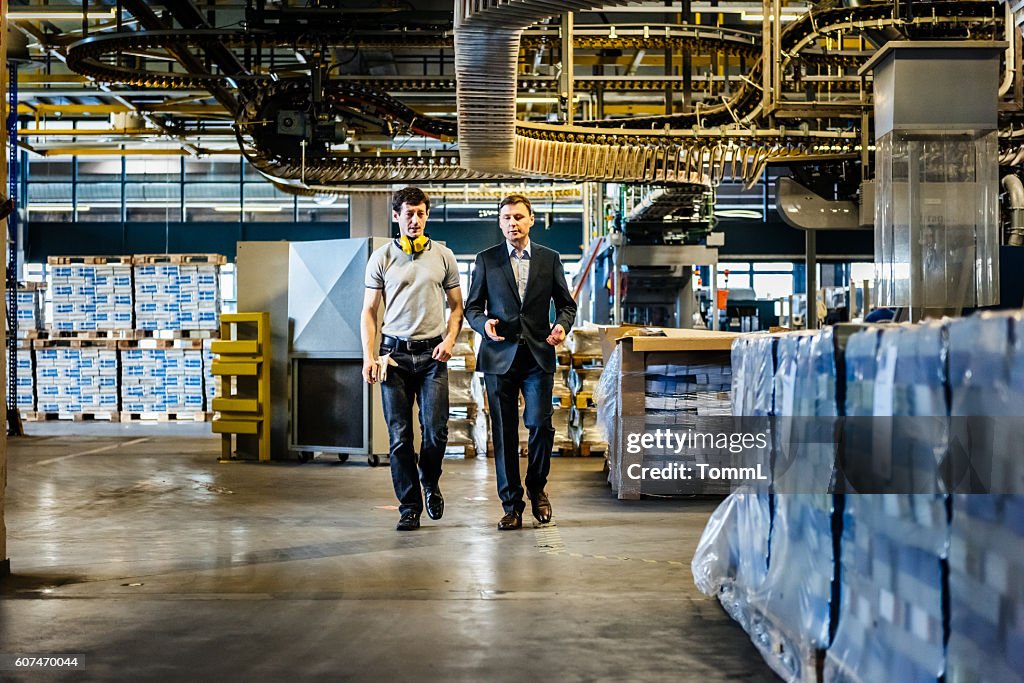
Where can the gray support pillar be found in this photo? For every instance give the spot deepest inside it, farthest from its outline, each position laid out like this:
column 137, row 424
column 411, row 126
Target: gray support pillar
column 370, row 214
column 812, row 279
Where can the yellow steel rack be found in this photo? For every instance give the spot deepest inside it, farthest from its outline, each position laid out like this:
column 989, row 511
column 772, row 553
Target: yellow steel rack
column 243, row 364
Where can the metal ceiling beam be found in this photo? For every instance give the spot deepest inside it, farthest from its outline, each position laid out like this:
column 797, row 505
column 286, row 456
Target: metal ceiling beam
column 149, row 20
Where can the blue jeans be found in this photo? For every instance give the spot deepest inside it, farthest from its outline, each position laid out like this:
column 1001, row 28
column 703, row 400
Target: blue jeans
column 503, row 397
column 419, row 377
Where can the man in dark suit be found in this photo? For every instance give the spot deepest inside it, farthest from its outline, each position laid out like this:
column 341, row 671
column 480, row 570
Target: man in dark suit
column 514, row 284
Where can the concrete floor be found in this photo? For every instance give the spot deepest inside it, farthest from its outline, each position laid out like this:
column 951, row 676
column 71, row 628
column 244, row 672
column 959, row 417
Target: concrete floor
column 130, row 545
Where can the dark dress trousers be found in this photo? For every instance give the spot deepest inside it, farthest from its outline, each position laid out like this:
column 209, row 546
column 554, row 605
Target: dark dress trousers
column 523, row 362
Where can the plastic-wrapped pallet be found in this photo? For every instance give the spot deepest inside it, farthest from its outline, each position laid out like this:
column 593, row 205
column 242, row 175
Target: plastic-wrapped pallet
column 986, row 586
column 584, row 341
column 919, row 391
column 587, row 431
column 460, row 387
column 791, row 620
column 26, row 394
column 74, row 377
column 986, row 400
column 890, row 625
column 894, row 546
column 90, row 297
column 731, row 560
column 608, row 402
column 176, row 296
column 162, row 381
column 986, row 555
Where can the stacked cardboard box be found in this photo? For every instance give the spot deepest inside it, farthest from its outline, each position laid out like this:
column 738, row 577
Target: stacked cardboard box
column 467, row 424
column 30, row 316
column 26, row 394
column 76, row 376
column 176, row 296
column 94, row 294
column 587, row 432
column 166, row 379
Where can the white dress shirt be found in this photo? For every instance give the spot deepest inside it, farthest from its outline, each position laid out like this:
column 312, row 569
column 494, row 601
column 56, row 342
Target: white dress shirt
column 520, row 262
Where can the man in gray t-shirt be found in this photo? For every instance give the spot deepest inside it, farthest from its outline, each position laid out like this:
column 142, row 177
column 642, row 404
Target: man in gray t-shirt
column 413, row 276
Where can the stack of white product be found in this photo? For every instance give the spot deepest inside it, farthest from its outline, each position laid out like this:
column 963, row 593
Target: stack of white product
column 28, row 310
column 80, row 377
column 161, row 380
column 685, row 391
column 26, row 396
column 172, row 296
column 211, row 383
column 91, row 297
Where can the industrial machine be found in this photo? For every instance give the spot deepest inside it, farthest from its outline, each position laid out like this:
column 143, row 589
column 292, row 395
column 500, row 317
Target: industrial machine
column 320, row 402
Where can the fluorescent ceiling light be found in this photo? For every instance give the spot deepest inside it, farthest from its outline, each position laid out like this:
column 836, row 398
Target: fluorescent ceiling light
column 784, row 17
column 536, row 100
column 228, row 208
column 58, row 12
column 57, row 207
column 738, row 213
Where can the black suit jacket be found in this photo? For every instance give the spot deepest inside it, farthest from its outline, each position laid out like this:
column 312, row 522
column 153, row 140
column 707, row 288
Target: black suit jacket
column 493, row 294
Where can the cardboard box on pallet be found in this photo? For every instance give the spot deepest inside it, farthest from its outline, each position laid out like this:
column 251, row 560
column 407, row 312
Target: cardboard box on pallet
column 659, row 359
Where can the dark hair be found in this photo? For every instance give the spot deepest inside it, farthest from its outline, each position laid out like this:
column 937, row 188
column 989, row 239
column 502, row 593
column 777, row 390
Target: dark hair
column 411, row 196
column 516, row 199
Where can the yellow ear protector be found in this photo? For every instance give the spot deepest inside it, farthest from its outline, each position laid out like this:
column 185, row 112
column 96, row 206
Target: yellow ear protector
column 412, row 246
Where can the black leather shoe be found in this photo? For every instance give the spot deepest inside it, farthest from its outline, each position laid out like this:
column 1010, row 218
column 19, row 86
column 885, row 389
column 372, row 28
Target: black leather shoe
column 541, row 507
column 410, row 521
column 434, row 502
column 510, row 522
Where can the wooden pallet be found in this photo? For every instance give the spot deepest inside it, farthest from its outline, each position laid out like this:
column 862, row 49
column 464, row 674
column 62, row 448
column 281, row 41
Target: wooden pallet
column 188, row 344
column 179, row 259
column 468, row 449
column 93, row 334
column 582, row 400
column 88, row 260
column 98, row 416
column 587, row 361
column 178, row 334
column 592, row 449
column 74, row 343
column 193, row 416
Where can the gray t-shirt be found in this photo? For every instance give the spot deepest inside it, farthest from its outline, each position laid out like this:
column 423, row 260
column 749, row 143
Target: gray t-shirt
column 414, row 288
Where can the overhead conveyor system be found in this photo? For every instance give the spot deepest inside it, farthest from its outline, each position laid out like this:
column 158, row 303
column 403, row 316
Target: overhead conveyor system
column 788, row 95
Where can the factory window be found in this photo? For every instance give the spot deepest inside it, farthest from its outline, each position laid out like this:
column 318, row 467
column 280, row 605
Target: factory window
column 773, row 286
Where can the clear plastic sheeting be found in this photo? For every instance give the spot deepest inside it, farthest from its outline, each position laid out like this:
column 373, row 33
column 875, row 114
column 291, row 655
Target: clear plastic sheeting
column 584, row 340
column 986, row 380
column 890, row 625
column 986, row 586
column 731, row 561
column 917, row 358
column 608, row 401
column 986, row 556
column 937, row 220
column 769, row 558
column 797, row 592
